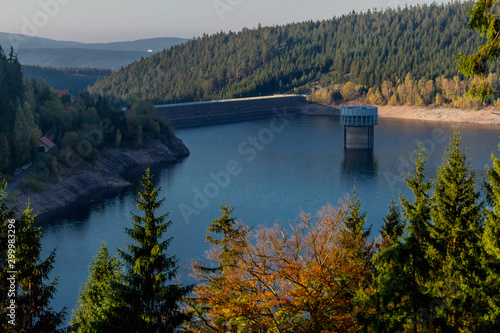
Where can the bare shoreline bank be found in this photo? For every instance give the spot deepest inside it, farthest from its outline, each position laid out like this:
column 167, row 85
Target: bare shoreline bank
column 485, row 116
column 87, row 179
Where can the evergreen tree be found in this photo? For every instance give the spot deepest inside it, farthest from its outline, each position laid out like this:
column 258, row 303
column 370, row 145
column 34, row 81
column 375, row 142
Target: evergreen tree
column 457, row 216
column 383, row 309
column 354, row 240
column 6, row 214
column 482, row 17
column 33, row 295
column 400, row 295
column 413, row 254
column 154, row 303
column 491, row 244
column 99, row 307
column 226, row 237
column 229, row 231
column 393, row 226
column 15, row 76
column 23, row 127
column 491, row 236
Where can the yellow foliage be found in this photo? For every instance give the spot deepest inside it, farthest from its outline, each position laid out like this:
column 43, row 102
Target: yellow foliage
column 281, row 279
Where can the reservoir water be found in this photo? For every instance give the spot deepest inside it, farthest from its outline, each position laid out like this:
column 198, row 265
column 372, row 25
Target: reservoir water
column 268, row 170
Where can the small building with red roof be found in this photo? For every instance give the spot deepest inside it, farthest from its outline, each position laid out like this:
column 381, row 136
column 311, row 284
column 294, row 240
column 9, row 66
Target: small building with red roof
column 63, row 93
column 45, row 145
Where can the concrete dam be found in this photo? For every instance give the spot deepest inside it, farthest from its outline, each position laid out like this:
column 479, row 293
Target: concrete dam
column 184, row 115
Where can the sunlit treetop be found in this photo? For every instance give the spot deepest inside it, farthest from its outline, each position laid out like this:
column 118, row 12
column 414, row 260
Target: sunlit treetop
column 484, row 18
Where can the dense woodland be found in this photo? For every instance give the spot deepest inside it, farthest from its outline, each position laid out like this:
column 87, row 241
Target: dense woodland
column 364, row 48
column 441, row 91
column 29, row 109
column 76, row 80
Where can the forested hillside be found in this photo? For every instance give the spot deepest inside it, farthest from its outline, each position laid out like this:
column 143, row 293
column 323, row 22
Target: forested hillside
column 29, row 110
column 365, row 48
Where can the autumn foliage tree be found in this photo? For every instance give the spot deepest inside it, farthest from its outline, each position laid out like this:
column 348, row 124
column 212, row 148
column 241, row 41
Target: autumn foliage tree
column 297, row 278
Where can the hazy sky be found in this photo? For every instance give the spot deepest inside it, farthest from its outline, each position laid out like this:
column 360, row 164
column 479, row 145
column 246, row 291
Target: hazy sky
column 116, row 20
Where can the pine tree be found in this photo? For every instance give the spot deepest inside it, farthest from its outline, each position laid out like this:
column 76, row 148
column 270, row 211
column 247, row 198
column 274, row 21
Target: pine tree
column 23, row 127
column 6, row 214
column 384, row 305
column 482, row 17
column 457, row 216
column 228, row 229
column 491, row 245
column 491, row 236
column 355, row 220
column 354, row 240
column 393, row 226
column 413, row 254
column 226, row 237
column 33, row 295
column 154, row 303
column 99, row 307
column 354, row 231
column 400, row 294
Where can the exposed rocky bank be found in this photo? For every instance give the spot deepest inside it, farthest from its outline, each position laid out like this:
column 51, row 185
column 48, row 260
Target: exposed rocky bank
column 85, row 179
column 485, row 116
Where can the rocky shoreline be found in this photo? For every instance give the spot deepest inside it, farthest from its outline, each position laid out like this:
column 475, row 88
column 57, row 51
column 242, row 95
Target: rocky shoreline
column 72, row 184
column 485, row 116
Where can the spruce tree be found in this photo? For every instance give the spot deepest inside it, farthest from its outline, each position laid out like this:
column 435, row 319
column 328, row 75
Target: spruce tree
column 491, row 245
column 491, row 236
column 99, row 307
column 354, row 240
column 32, row 293
column 37, row 315
column 400, row 295
column 354, row 229
column 228, row 231
column 393, row 227
column 6, row 214
column 226, row 238
column 154, row 303
column 413, row 253
column 457, row 215
column 389, row 280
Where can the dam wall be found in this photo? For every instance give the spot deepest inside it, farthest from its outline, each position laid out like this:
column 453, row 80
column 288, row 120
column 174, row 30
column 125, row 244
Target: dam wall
column 196, row 114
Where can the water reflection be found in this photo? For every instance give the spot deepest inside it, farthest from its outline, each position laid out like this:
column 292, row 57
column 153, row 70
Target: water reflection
column 359, row 162
column 81, row 209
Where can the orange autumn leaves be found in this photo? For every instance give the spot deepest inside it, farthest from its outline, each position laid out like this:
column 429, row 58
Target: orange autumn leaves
column 301, row 277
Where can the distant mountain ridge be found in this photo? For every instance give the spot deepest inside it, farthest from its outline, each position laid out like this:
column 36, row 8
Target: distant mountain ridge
column 48, row 52
column 141, row 45
column 79, row 58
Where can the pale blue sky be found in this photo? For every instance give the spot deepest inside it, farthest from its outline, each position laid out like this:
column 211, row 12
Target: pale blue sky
column 116, row 20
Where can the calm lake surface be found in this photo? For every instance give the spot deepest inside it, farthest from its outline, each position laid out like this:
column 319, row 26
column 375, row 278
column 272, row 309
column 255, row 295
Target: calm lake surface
column 268, row 170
